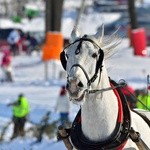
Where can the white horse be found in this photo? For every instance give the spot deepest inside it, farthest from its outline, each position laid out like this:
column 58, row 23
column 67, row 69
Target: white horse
column 104, row 121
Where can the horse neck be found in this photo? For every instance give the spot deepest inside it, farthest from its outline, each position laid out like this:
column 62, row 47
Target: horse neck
column 99, row 112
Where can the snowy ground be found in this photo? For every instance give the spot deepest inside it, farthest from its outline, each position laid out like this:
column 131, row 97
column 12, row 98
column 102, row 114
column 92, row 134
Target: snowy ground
column 29, row 79
column 125, row 65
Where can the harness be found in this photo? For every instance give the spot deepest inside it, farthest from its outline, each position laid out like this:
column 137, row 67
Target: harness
column 119, row 136
column 123, row 130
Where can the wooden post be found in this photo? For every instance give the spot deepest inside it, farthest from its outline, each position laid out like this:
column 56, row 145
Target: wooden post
column 53, row 14
column 64, row 134
column 132, row 14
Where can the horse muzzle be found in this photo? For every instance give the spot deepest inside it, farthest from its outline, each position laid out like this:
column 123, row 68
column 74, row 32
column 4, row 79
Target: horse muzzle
column 75, row 89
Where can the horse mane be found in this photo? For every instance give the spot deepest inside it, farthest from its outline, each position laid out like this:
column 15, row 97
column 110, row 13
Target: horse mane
column 109, row 43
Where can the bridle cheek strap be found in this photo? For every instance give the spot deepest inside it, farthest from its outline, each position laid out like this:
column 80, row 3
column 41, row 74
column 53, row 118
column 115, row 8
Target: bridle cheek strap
column 78, row 65
column 98, row 64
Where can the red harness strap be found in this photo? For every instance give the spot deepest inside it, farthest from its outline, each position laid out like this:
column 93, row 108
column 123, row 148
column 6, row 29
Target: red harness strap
column 120, row 114
column 120, row 109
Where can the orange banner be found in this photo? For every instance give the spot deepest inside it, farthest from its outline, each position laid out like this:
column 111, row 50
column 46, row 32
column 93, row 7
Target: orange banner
column 53, row 46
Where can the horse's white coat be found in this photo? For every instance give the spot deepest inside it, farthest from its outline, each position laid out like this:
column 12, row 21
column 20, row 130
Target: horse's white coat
column 99, row 111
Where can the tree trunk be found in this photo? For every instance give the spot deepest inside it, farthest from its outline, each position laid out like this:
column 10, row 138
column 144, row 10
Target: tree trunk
column 132, row 14
column 53, row 15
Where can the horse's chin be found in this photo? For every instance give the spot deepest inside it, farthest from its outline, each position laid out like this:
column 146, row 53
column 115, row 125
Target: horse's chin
column 78, row 102
column 78, row 98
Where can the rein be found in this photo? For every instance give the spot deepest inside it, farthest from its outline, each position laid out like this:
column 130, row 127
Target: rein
column 121, row 84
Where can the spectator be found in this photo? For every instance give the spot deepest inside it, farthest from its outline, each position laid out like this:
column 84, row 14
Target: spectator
column 13, row 40
column 144, row 100
column 31, row 43
column 20, row 113
column 6, row 66
column 129, row 93
column 63, row 106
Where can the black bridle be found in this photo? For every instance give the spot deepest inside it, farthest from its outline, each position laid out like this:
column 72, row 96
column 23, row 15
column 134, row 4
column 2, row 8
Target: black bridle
column 98, row 64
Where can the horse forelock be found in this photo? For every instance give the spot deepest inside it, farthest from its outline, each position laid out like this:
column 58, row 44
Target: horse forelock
column 107, row 43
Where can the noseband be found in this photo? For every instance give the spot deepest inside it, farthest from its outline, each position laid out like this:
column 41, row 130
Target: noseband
column 98, row 64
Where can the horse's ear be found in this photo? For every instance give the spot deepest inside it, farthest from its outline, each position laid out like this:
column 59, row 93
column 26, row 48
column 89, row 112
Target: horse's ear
column 100, row 33
column 75, row 34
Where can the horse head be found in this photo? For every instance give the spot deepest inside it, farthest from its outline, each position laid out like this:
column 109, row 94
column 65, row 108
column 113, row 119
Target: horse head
column 83, row 62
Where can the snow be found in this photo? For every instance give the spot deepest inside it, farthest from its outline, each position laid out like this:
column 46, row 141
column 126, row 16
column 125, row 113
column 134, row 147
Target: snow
column 38, row 24
column 42, row 94
column 7, row 23
column 29, row 78
column 68, row 20
column 134, row 69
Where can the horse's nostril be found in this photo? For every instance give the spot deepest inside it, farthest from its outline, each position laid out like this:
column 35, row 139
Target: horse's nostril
column 80, row 84
column 67, row 86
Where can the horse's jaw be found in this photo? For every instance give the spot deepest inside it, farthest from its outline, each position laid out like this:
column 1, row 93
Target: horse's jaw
column 77, row 97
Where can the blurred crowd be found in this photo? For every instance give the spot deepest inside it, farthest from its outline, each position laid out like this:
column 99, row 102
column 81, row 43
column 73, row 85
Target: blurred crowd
column 21, row 42
column 17, row 43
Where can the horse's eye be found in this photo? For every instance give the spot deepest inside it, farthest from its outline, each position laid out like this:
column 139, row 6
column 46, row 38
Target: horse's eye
column 94, row 55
